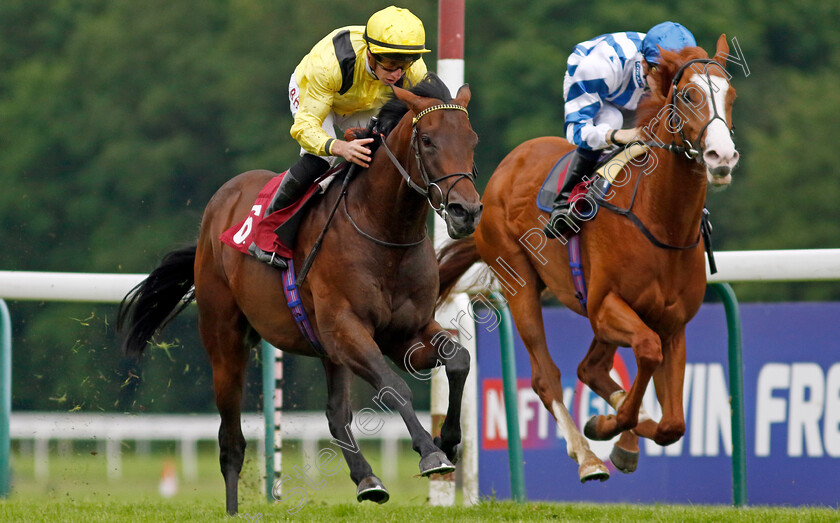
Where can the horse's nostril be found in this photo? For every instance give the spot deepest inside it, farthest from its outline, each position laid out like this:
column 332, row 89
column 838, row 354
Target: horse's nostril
column 457, row 210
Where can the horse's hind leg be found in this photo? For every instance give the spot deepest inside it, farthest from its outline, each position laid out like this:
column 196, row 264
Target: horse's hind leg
column 223, row 331
column 340, row 416
column 436, row 347
column 545, row 376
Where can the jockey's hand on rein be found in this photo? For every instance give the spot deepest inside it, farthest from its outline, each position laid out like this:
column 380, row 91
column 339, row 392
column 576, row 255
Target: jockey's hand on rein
column 624, row 136
column 354, row 151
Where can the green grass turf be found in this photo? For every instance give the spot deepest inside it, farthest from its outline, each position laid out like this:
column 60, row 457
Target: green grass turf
column 78, row 490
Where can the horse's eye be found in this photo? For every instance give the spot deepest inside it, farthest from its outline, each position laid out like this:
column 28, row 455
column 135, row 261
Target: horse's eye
column 426, row 141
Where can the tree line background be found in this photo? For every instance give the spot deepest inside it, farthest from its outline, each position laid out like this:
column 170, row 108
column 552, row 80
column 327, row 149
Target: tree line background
column 119, row 119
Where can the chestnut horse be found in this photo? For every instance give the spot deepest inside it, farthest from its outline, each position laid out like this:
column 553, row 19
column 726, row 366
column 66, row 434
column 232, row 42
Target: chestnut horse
column 370, row 292
column 643, row 287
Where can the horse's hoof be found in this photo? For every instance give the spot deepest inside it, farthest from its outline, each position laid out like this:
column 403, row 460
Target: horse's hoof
column 457, row 453
column 592, row 470
column 589, row 428
column 624, row 460
column 435, row 463
column 454, row 455
column 372, row 489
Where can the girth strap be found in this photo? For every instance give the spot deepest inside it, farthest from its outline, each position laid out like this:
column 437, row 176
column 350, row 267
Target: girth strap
column 641, row 226
column 290, row 289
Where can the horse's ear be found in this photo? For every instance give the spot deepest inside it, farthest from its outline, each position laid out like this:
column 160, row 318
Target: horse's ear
column 667, row 68
column 659, row 77
column 722, row 50
column 463, row 96
column 653, row 80
column 410, row 99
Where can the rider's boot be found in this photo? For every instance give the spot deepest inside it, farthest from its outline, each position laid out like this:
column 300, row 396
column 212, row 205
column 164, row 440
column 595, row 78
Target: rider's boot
column 294, row 185
column 562, row 219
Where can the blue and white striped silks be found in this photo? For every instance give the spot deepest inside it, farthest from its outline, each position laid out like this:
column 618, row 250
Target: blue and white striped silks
column 603, row 75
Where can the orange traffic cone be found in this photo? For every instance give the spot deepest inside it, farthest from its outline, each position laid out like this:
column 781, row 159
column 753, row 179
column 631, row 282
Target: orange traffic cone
column 168, row 486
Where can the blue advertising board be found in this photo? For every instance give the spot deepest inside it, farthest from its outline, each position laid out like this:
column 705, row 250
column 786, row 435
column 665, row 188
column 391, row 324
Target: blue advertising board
column 791, row 358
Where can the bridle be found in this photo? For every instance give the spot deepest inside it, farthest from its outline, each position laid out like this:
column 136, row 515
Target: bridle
column 426, row 191
column 429, row 183
column 690, row 152
column 687, row 147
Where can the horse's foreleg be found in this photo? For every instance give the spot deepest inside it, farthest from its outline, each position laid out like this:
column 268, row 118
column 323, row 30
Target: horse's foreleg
column 615, row 323
column 352, row 344
column 668, row 380
column 545, row 376
column 594, row 371
column 433, row 347
column 340, row 417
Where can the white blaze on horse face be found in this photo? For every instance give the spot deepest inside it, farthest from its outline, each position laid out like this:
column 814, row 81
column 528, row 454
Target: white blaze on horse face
column 719, row 152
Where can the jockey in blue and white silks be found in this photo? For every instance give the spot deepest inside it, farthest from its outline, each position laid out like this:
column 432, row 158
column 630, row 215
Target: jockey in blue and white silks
column 605, row 76
column 602, row 75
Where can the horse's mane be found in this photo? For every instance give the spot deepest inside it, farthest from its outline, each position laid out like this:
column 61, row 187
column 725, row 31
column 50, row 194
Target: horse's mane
column 660, row 80
column 431, row 86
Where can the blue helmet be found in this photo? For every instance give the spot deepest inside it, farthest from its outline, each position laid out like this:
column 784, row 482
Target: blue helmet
column 667, row 35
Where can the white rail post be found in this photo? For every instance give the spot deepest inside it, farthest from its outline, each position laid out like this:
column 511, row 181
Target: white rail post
column 469, row 408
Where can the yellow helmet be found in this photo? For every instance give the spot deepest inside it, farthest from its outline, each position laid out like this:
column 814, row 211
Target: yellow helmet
column 395, row 30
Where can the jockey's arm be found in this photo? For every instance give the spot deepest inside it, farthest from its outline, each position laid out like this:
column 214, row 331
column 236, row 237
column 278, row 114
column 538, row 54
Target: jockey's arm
column 590, row 85
column 309, row 133
column 307, row 128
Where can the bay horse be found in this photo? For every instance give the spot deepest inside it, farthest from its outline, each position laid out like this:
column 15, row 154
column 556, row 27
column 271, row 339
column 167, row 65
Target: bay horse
column 642, row 291
column 370, row 292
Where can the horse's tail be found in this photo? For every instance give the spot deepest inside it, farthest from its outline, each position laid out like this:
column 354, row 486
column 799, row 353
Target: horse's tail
column 155, row 301
column 453, row 261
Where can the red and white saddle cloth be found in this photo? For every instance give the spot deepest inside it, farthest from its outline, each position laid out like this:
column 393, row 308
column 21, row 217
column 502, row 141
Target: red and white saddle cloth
column 275, row 233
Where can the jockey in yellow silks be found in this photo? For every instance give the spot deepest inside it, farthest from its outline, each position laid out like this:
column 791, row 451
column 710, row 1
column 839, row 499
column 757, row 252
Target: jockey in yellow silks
column 343, row 81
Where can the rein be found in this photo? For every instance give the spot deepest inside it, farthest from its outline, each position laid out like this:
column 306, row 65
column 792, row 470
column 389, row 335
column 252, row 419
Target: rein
column 628, row 213
column 429, row 183
column 382, row 243
column 441, row 211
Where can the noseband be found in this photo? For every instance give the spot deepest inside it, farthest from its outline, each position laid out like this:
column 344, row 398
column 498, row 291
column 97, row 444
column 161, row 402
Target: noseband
column 429, row 183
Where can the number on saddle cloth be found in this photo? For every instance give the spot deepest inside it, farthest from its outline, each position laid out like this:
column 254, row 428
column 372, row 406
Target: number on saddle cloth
column 274, row 233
